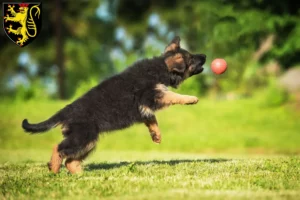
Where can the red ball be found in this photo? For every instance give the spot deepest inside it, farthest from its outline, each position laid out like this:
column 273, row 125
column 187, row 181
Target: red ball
column 218, row 66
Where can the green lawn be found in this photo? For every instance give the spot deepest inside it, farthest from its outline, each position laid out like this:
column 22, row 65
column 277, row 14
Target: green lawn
column 153, row 175
column 215, row 149
column 241, row 126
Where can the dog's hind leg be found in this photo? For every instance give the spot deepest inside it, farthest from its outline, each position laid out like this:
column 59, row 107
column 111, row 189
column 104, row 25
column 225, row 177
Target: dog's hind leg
column 80, row 140
column 73, row 162
column 151, row 122
column 73, row 165
column 55, row 161
column 56, row 158
column 74, row 157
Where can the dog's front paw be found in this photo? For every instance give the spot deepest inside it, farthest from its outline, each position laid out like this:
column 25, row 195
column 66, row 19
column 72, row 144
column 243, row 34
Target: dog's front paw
column 156, row 137
column 191, row 100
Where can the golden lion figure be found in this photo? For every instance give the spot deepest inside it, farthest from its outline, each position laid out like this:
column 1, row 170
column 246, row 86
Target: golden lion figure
column 22, row 18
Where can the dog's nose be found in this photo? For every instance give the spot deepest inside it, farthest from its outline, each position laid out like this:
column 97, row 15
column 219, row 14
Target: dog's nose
column 203, row 56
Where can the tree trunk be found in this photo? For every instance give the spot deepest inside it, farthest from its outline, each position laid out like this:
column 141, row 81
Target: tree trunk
column 59, row 50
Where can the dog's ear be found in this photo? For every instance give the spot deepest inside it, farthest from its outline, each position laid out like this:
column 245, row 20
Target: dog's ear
column 174, row 45
column 176, row 63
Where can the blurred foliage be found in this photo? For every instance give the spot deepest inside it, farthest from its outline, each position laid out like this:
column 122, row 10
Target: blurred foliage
column 104, row 37
column 83, row 87
column 274, row 96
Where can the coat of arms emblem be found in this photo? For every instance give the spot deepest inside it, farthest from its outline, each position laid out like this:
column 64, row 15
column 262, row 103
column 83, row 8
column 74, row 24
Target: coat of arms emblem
column 22, row 22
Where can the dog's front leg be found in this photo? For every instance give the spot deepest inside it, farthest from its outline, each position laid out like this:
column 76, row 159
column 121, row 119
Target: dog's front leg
column 151, row 122
column 172, row 98
column 154, row 131
column 167, row 98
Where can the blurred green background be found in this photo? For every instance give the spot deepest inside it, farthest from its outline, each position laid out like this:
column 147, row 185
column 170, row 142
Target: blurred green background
column 254, row 108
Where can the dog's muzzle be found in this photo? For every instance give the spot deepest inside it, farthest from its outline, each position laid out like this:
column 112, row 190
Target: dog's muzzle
column 198, row 62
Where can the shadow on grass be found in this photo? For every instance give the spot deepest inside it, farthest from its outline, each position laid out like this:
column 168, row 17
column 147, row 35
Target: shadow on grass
column 97, row 166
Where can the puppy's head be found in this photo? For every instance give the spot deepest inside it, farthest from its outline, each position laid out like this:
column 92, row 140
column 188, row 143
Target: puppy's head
column 182, row 62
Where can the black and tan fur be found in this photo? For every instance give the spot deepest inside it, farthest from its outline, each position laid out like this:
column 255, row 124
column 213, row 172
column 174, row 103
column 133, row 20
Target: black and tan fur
column 120, row 101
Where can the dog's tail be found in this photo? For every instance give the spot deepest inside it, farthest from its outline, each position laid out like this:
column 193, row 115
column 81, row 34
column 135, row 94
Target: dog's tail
column 42, row 126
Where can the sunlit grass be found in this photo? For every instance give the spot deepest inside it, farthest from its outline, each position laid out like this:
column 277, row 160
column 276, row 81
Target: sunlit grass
column 153, row 175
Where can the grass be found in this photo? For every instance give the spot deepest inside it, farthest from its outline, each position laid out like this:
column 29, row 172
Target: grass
column 213, row 150
column 153, row 175
column 241, row 126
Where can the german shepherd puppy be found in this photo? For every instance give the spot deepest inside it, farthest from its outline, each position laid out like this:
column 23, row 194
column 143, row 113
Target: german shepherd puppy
column 120, row 101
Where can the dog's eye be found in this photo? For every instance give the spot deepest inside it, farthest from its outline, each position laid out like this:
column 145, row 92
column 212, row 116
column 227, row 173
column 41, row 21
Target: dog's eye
column 190, row 60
